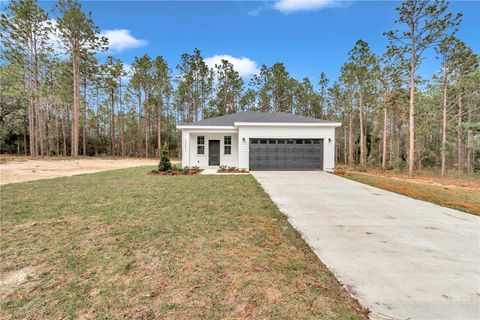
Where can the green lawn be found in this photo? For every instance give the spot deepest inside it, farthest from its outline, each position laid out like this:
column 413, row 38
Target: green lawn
column 123, row 244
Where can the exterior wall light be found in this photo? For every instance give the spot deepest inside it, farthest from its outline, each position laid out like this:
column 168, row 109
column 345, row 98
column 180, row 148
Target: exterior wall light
column 329, row 140
column 243, row 139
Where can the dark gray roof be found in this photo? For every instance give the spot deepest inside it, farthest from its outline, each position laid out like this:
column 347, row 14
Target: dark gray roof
column 254, row 116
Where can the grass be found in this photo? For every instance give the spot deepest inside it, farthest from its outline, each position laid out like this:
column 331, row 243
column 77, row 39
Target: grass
column 456, row 193
column 123, row 244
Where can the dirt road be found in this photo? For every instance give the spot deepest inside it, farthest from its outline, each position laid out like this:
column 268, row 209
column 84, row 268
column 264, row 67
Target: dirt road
column 20, row 170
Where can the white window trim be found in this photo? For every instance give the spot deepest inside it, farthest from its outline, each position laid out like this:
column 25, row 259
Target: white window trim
column 204, row 151
column 226, row 154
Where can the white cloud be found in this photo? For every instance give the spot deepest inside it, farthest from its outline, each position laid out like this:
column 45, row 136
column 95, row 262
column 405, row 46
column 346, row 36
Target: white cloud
column 255, row 11
column 244, row 66
column 55, row 41
column 289, row 6
column 127, row 69
column 121, row 39
column 118, row 39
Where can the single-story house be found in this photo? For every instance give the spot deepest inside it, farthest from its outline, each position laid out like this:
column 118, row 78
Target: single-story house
column 260, row 141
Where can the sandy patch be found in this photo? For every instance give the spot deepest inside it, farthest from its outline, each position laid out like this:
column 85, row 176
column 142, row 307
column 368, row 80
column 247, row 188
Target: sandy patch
column 27, row 170
column 11, row 280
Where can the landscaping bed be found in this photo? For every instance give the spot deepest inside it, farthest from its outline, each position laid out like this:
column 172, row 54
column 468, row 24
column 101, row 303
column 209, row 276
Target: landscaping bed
column 177, row 172
column 227, row 169
column 165, row 167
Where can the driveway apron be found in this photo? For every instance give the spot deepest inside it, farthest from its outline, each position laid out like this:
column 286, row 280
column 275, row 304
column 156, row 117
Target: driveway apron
column 402, row 258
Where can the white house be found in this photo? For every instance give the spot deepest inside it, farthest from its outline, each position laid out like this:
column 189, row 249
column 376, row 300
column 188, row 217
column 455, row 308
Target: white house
column 260, row 141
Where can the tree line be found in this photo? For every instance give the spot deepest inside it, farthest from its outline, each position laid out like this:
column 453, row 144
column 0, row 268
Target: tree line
column 56, row 98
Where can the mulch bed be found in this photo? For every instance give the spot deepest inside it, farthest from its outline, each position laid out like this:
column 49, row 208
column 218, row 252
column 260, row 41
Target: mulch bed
column 190, row 172
column 233, row 171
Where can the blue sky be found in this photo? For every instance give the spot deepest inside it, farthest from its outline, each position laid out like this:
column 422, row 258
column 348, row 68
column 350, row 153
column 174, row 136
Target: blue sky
column 308, row 36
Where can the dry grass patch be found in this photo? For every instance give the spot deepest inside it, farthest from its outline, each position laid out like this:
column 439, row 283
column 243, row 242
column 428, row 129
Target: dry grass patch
column 123, row 244
column 456, row 193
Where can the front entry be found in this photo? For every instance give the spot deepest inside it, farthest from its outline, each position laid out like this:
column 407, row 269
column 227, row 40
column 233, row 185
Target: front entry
column 213, row 152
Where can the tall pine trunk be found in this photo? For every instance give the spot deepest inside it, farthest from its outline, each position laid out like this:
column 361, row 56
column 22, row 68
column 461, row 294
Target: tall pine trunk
column 25, row 152
column 95, row 140
column 31, row 127
column 76, row 100
column 460, row 147
column 47, row 135
column 84, row 124
column 57, row 144
column 350, row 139
column 345, row 150
column 362, row 133
column 159, row 127
column 444, row 128
column 96, row 133
column 411, row 115
column 392, row 133
column 120, row 119
column 400, row 141
column 140, row 127
column 37, row 128
column 147, row 132
column 384, row 149
column 112, row 124
column 469, row 143
column 64, row 134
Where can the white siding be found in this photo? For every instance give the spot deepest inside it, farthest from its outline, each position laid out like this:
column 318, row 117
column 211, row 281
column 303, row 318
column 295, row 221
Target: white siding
column 185, row 148
column 294, row 132
column 200, row 160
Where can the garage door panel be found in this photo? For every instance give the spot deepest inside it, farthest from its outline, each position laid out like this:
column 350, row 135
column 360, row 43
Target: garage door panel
column 286, row 154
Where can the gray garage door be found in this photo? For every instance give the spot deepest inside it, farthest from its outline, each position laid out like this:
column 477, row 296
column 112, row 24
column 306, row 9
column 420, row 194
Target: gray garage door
column 286, row 154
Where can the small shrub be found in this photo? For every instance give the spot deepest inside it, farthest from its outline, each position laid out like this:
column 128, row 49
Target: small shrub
column 232, row 168
column 165, row 164
column 223, row 167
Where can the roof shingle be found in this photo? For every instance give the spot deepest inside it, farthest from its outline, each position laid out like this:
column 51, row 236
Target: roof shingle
column 255, row 116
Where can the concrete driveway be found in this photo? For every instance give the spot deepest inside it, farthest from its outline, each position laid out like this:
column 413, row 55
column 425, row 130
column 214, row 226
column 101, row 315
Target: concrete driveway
column 402, row 258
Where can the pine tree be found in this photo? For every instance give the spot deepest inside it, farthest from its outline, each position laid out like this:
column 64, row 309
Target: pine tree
column 364, row 68
column 79, row 36
column 24, row 30
column 425, row 24
column 165, row 163
column 162, row 90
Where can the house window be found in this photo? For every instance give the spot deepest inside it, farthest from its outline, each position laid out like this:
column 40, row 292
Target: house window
column 200, row 145
column 227, row 145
